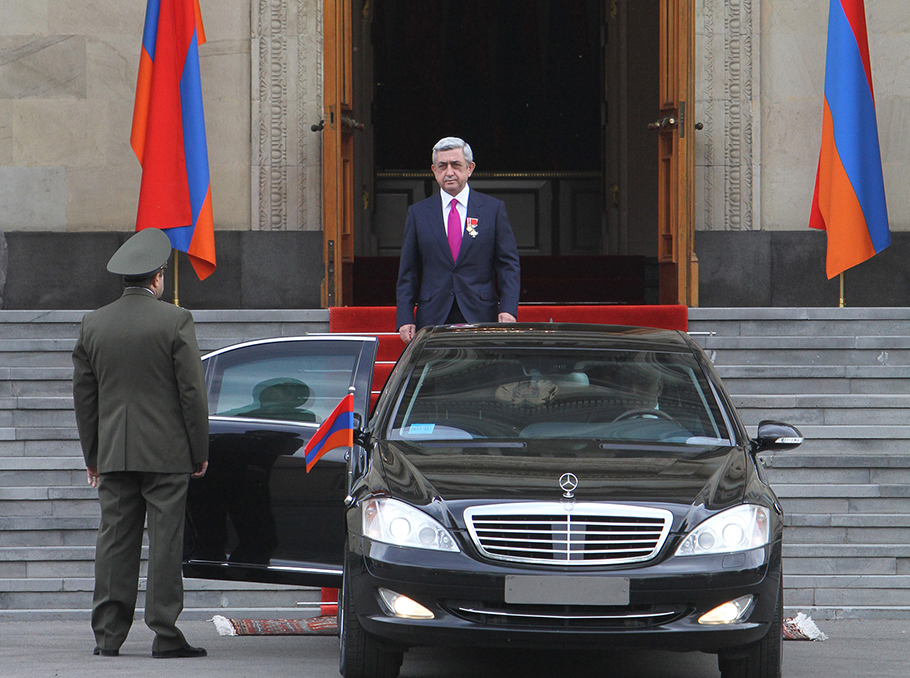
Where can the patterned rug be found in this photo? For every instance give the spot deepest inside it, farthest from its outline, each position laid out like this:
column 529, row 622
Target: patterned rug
column 315, row 626
column 801, row 627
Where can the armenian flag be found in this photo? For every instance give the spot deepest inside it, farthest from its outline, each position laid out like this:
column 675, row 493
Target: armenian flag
column 168, row 134
column 849, row 200
column 336, row 431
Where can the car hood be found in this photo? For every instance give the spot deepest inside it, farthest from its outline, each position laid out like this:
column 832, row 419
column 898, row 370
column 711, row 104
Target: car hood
column 714, row 476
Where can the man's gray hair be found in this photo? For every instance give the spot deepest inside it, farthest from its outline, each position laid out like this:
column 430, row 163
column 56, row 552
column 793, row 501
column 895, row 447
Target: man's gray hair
column 451, row 143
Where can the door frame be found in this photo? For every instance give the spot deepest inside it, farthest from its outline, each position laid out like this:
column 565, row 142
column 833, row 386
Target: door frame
column 677, row 262
column 337, row 154
column 676, row 258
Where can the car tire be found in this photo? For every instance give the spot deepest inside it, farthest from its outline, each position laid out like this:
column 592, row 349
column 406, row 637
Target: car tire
column 359, row 654
column 762, row 659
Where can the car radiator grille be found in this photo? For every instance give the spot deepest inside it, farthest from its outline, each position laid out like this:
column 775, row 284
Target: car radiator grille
column 552, row 533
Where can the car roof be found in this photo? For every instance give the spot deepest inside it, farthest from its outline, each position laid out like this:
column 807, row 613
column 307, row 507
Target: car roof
column 555, row 334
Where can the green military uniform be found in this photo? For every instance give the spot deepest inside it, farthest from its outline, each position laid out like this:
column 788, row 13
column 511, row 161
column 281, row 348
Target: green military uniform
column 141, row 409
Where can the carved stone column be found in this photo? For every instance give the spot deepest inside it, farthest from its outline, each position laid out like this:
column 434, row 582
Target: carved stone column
column 728, row 152
column 286, row 100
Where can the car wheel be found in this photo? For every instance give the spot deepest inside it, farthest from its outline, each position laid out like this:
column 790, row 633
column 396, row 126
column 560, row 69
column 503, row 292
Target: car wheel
column 762, row 659
column 359, row 654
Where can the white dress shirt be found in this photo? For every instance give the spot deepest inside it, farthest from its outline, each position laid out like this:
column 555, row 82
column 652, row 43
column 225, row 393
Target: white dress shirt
column 462, row 207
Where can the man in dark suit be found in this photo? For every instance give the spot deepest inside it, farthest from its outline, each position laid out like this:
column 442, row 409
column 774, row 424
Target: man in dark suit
column 142, row 412
column 459, row 260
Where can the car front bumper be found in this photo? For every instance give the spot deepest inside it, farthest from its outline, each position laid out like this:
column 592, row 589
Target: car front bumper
column 467, row 598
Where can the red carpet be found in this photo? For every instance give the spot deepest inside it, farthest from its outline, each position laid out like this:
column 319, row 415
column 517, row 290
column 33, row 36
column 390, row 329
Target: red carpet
column 379, row 321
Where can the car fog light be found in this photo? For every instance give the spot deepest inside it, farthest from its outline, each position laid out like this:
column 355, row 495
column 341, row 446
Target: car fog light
column 402, row 606
column 728, row 613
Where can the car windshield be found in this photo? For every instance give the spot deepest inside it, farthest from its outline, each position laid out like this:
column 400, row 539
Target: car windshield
column 622, row 395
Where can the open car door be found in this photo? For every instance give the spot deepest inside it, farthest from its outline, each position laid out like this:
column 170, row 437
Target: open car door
column 258, row 515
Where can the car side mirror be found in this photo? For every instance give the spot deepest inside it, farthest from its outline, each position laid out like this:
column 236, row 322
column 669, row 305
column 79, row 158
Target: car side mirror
column 775, row 435
column 362, row 436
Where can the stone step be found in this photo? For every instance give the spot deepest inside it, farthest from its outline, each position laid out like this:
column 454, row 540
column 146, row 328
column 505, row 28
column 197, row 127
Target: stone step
column 823, row 401
column 801, row 321
column 731, row 372
column 34, row 359
column 843, row 505
column 41, row 464
column 803, row 417
column 40, row 448
column 845, row 559
column 76, row 593
column 54, row 388
column 252, row 323
column 847, row 597
column 847, row 535
column 776, row 385
column 889, row 446
column 852, row 491
column 48, row 434
column 783, row 359
column 796, row 581
column 852, row 432
column 41, row 418
column 765, row 342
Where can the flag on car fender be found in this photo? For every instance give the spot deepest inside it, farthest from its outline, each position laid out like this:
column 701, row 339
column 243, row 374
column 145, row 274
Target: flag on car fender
column 168, row 133
column 336, row 431
column 849, row 199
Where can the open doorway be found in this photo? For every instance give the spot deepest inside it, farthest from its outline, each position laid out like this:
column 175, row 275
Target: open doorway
column 555, row 97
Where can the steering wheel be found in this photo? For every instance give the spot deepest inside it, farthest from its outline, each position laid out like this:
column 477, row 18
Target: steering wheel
column 644, row 413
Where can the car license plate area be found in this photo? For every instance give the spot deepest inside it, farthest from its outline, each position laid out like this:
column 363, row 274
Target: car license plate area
column 568, row 590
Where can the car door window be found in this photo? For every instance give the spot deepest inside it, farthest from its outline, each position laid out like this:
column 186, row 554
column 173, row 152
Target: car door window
column 289, row 381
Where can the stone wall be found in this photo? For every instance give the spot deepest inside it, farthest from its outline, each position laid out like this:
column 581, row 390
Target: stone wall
column 67, row 82
column 759, row 90
column 273, row 270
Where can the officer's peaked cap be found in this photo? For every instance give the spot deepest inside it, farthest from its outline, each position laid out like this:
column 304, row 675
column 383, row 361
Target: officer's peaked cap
column 141, row 255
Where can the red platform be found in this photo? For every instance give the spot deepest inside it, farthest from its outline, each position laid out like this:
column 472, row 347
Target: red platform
column 379, row 321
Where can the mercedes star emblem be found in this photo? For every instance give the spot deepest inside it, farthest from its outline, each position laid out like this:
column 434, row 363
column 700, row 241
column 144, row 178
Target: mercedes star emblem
column 568, row 482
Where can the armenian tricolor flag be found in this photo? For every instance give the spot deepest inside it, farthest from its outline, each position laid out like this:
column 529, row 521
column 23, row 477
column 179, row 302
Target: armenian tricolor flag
column 849, row 201
column 336, row 431
column 168, row 133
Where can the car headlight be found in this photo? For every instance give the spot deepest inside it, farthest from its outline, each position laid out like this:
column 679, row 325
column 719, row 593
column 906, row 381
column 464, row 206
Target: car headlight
column 736, row 529
column 394, row 522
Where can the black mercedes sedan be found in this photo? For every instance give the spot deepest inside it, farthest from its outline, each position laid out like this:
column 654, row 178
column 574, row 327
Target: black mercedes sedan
column 522, row 485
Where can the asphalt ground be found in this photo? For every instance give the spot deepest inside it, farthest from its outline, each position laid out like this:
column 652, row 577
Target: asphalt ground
column 51, row 649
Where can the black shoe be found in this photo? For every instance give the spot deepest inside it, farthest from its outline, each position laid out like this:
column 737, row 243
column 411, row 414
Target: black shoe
column 185, row 651
column 106, row 653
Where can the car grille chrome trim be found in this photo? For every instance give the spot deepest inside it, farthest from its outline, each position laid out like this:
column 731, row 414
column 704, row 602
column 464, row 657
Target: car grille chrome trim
column 569, row 617
column 555, row 533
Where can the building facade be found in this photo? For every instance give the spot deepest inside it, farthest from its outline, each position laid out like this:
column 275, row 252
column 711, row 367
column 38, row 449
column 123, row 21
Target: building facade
column 69, row 181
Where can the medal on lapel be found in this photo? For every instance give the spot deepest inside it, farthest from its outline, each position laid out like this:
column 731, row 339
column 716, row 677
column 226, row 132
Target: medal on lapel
column 471, row 226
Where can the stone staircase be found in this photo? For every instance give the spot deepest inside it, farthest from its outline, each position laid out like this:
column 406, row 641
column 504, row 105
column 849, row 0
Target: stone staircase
column 842, row 376
column 48, row 513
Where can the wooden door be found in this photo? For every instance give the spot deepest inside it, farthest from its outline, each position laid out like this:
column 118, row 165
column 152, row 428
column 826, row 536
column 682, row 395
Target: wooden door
column 338, row 155
column 676, row 180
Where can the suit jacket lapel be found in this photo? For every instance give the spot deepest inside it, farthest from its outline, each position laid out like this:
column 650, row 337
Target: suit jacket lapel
column 438, row 226
column 475, row 204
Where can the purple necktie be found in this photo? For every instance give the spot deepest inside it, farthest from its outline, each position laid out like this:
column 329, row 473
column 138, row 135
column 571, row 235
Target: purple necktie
column 454, row 229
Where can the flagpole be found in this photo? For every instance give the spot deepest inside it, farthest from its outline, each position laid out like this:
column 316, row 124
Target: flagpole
column 177, row 278
column 843, row 302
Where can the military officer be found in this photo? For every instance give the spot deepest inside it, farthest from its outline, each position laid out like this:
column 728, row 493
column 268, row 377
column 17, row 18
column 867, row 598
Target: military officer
column 141, row 409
